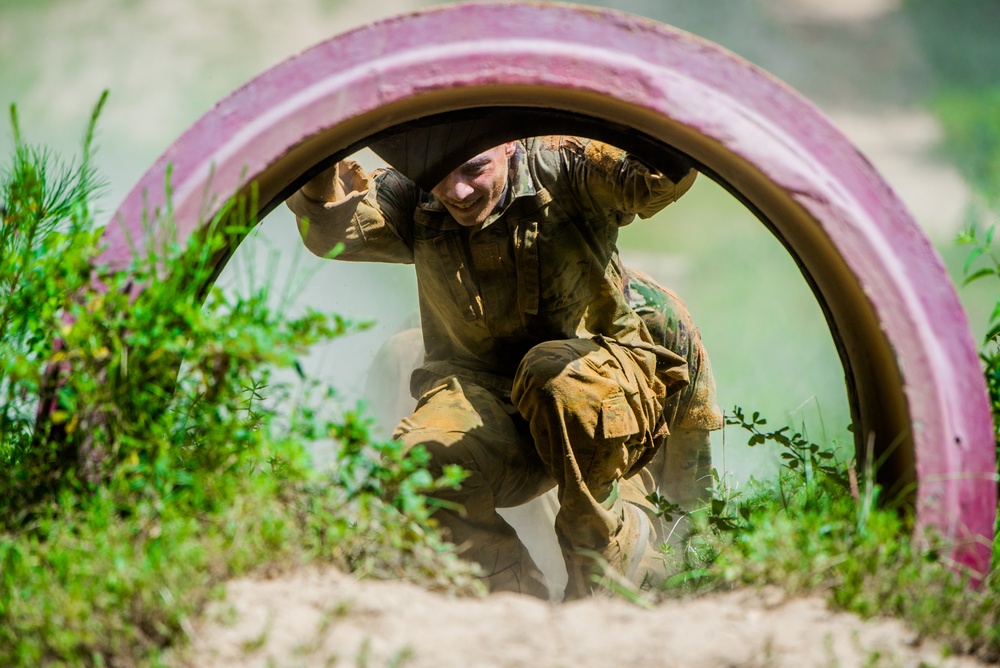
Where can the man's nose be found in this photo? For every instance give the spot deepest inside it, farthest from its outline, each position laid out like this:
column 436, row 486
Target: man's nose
column 458, row 189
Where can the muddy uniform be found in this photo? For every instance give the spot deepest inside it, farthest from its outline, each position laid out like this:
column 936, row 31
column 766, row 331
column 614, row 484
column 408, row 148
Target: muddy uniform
column 681, row 468
column 537, row 371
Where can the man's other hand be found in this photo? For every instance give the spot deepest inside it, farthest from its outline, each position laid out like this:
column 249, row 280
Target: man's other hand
column 337, row 182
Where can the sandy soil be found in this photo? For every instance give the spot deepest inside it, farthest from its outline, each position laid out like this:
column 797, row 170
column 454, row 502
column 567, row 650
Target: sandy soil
column 323, row 618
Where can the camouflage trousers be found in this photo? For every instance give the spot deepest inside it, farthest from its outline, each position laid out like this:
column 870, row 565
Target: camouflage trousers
column 582, row 417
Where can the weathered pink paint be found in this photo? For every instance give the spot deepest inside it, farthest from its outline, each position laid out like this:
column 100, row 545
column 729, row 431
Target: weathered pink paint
column 909, row 356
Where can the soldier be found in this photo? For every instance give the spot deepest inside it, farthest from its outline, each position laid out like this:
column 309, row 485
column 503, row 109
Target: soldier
column 681, row 469
column 537, row 372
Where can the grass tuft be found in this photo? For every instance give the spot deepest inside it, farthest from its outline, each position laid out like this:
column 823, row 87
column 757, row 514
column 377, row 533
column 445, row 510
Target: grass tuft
column 148, row 453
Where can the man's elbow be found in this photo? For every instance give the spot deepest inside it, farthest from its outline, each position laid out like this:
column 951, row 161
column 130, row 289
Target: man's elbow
column 318, row 240
column 665, row 192
column 308, row 236
column 684, row 185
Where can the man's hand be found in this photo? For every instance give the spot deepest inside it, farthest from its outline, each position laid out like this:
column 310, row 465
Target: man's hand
column 335, row 183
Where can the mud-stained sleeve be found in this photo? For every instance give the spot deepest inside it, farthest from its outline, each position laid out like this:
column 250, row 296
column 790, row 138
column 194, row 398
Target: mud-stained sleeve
column 617, row 182
column 374, row 224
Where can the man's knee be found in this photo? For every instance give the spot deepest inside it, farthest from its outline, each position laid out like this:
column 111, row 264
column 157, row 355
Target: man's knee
column 443, row 446
column 552, row 370
column 474, row 493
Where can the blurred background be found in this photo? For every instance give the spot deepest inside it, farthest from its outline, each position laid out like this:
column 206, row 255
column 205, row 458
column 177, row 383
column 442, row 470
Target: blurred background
column 914, row 83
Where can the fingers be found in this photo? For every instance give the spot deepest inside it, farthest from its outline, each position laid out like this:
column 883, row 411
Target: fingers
column 352, row 178
column 336, row 182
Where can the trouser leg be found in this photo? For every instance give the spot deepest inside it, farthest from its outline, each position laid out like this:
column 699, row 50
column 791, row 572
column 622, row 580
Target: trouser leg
column 534, row 523
column 682, row 472
column 592, row 409
column 684, row 467
column 461, row 423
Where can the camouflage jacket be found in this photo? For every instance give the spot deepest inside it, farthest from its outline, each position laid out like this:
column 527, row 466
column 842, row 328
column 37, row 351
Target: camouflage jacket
column 543, row 266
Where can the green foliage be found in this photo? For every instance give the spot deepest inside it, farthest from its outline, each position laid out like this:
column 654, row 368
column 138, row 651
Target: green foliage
column 46, row 246
column 982, row 262
column 813, row 530
column 798, row 453
column 808, row 478
column 863, row 558
column 164, row 458
column 103, row 361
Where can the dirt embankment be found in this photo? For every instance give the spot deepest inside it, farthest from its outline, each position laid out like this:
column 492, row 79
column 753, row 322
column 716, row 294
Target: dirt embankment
column 322, row 617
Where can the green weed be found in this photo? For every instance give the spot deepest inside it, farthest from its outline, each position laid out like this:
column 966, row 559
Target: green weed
column 812, row 531
column 982, row 262
column 148, row 453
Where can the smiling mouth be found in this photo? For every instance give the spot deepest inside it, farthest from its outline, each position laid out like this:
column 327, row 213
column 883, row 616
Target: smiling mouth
column 466, row 206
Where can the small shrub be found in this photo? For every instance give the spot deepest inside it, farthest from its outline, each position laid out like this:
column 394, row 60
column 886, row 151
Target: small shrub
column 147, row 453
column 983, row 263
column 814, row 531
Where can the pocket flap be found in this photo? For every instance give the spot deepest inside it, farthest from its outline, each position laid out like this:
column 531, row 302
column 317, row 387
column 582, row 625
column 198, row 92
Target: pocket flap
column 617, row 418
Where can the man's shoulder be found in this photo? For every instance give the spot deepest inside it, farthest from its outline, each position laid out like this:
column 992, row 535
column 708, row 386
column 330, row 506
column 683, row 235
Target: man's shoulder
column 568, row 147
column 553, row 143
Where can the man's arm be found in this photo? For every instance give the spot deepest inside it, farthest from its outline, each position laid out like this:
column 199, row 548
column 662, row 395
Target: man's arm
column 614, row 180
column 367, row 217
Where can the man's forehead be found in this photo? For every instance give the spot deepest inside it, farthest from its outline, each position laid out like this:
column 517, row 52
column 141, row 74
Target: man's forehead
column 427, row 153
column 485, row 156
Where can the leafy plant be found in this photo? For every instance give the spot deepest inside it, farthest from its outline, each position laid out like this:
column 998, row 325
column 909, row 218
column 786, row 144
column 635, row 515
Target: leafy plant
column 148, row 452
column 798, row 454
column 816, row 533
column 982, row 262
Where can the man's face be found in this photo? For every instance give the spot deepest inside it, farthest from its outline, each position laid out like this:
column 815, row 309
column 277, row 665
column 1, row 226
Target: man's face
column 471, row 192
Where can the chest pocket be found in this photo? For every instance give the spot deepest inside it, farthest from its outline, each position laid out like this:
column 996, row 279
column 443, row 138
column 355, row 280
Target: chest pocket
column 443, row 272
column 557, row 267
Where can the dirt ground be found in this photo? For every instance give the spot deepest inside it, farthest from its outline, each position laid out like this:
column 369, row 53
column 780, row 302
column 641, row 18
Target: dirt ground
column 324, row 618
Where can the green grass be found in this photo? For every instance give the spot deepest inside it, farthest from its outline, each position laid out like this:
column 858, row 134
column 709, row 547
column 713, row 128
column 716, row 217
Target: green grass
column 809, row 531
column 169, row 459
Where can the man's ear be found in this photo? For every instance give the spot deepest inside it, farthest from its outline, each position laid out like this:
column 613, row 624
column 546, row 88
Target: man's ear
column 509, row 148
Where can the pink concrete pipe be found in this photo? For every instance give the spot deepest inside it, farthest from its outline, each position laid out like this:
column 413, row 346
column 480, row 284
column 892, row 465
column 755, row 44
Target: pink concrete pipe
column 912, row 371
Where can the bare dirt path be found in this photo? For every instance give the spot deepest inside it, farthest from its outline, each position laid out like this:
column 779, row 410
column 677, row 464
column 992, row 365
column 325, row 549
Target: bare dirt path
column 322, row 617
